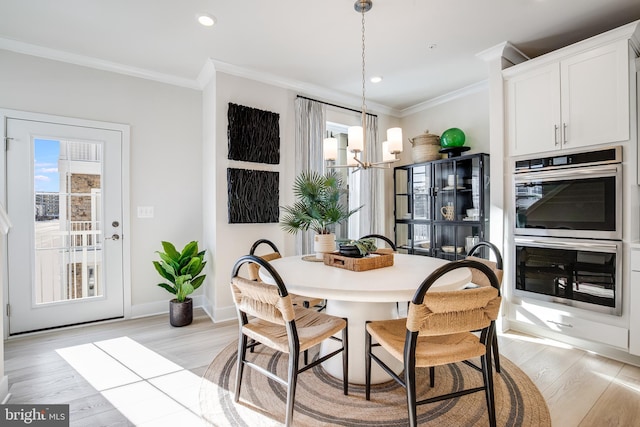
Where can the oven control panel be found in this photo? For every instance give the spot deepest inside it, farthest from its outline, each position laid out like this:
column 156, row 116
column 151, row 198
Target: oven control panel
column 607, row 155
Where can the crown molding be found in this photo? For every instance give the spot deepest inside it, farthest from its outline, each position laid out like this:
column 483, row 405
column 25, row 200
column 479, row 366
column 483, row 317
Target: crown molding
column 504, row 50
column 301, row 88
column 447, row 97
column 211, row 66
column 87, row 61
column 207, row 73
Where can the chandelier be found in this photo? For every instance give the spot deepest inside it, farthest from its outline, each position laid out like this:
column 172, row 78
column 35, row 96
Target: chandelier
column 357, row 135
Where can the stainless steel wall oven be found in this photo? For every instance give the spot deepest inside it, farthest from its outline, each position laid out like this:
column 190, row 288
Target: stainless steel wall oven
column 568, row 229
column 577, row 272
column 575, row 195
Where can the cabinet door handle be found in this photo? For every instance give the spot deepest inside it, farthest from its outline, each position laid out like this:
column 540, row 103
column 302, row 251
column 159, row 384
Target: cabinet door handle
column 564, row 133
column 555, row 133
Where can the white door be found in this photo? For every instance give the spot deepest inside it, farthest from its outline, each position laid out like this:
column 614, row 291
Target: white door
column 64, row 198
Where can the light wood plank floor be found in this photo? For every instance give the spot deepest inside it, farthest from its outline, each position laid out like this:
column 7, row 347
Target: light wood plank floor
column 581, row 389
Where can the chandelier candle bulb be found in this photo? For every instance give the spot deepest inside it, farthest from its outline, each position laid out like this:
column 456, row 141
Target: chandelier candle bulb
column 355, row 141
column 330, row 148
column 394, row 136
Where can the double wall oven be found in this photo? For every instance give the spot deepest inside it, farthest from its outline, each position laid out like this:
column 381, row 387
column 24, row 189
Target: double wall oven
column 568, row 229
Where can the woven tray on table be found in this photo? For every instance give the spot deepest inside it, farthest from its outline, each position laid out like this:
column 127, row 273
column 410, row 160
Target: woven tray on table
column 375, row 260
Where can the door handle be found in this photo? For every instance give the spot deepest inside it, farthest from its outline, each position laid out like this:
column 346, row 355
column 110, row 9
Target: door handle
column 114, row 237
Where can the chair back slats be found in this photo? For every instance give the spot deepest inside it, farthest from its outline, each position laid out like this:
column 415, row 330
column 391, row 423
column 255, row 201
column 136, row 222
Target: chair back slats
column 444, row 313
column 262, row 300
column 480, row 278
column 492, row 247
column 253, row 269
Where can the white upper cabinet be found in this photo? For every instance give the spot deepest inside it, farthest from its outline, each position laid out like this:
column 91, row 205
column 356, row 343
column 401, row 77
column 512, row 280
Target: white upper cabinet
column 580, row 100
column 533, row 110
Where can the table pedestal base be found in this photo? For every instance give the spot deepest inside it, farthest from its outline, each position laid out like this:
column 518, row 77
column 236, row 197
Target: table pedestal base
column 358, row 313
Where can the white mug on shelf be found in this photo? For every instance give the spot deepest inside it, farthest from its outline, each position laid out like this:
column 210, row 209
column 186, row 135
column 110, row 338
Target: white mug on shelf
column 452, row 180
column 447, row 212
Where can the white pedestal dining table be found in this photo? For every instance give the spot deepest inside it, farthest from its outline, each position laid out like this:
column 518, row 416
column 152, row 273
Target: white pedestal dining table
column 361, row 296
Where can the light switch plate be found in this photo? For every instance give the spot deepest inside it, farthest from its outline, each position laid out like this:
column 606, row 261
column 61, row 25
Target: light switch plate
column 145, row 211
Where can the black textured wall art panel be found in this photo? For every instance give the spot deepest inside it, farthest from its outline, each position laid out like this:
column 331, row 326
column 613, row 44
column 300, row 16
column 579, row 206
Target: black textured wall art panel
column 254, row 135
column 253, row 196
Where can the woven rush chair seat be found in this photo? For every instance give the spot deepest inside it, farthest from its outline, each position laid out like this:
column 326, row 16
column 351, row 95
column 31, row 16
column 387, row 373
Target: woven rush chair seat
column 312, row 326
column 435, row 350
column 439, row 330
column 268, row 317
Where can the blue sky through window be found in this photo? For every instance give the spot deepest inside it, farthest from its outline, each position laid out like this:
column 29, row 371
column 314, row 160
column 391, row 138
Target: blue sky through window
column 46, row 155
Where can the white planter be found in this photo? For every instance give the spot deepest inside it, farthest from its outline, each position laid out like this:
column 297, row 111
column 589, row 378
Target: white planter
column 323, row 243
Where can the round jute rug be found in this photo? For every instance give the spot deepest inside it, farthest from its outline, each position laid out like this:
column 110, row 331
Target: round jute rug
column 320, row 402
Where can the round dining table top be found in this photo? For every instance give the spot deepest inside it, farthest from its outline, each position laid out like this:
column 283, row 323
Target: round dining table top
column 398, row 282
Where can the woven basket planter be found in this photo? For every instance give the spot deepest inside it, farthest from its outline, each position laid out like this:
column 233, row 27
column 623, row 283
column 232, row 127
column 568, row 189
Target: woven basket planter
column 426, row 147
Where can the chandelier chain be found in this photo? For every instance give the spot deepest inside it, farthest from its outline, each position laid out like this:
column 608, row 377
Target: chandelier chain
column 364, row 105
column 362, row 159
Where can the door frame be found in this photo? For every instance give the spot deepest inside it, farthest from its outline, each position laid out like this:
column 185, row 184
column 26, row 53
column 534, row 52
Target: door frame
column 126, row 210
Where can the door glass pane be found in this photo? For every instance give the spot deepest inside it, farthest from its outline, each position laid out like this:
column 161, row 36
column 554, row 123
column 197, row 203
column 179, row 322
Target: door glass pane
column 68, row 229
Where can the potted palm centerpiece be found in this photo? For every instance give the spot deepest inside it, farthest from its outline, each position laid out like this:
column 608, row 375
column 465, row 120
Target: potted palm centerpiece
column 182, row 271
column 318, row 208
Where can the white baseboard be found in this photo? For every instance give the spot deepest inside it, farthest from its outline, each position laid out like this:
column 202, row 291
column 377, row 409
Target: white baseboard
column 224, row 314
column 207, row 306
column 159, row 307
column 4, row 390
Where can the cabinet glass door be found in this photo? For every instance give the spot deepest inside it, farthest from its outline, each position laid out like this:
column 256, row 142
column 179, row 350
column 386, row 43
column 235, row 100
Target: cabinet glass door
column 440, row 206
column 402, row 194
column 421, row 186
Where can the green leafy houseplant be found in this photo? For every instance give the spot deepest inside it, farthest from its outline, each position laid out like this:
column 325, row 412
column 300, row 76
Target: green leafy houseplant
column 181, row 269
column 318, row 204
column 365, row 246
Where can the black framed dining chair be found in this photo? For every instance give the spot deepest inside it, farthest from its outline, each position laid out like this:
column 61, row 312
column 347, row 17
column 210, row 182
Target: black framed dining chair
column 307, row 302
column 268, row 316
column 253, row 271
column 439, row 331
column 385, row 239
column 497, row 268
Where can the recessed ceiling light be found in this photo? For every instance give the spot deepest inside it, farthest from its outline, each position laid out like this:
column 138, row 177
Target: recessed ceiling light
column 206, row 19
column 376, row 79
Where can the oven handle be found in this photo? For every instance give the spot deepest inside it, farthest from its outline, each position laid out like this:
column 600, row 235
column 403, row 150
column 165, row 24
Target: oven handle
column 602, row 247
column 558, row 174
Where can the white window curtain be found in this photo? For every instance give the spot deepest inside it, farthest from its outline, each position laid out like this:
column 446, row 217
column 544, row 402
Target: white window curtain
column 310, row 131
column 366, row 188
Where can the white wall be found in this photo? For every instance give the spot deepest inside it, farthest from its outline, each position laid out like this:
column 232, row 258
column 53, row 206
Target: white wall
column 235, row 240
column 469, row 113
column 178, row 160
column 165, row 157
